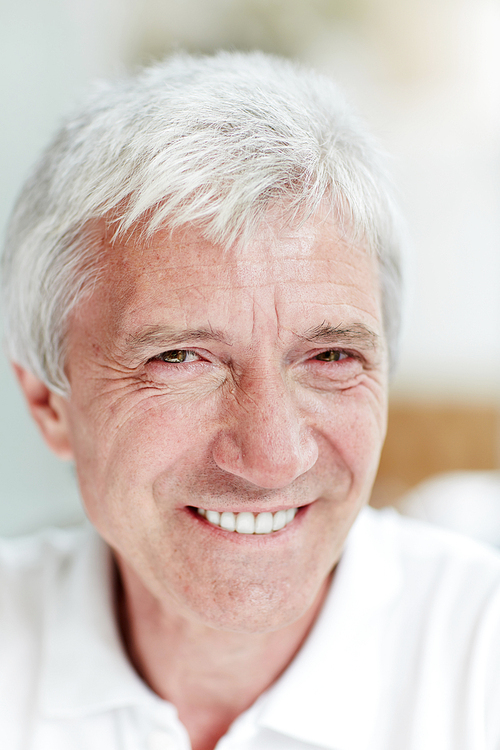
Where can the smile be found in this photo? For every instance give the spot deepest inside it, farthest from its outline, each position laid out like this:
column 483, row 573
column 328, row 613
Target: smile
column 249, row 523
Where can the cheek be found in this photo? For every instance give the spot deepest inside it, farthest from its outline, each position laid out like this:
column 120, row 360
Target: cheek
column 119, row 459
column 354, row 428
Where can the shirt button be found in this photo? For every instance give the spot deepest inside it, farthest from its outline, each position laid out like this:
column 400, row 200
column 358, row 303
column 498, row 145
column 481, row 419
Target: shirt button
column 161, row 741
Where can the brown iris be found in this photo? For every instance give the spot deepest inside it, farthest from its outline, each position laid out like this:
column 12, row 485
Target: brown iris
column 330, row 356
column 174, row 356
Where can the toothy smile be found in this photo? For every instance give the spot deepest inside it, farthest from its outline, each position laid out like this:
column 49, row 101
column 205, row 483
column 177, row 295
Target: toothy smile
column 249, row 523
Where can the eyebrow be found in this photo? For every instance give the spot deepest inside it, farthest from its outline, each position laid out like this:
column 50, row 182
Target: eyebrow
column 356, row 334
column 140, row 343
column 137, row 343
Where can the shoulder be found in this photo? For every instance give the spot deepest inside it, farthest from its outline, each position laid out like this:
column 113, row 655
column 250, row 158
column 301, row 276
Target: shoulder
column 440, row 625
column 431, row 551
column 408, row 639
column 31, row 568
column 27, row 562
column 444, row 587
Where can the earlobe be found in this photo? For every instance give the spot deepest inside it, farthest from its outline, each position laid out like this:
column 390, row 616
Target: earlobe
column 49, row 410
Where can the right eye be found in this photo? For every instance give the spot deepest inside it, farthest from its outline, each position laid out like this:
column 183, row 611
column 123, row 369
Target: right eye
column 178, row 356
column 331, row 355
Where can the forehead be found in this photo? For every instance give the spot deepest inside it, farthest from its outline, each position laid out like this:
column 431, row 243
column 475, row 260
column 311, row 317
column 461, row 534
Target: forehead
column 300, row 272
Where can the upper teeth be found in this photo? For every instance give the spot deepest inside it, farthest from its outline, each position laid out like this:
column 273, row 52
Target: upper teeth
column 249, row 523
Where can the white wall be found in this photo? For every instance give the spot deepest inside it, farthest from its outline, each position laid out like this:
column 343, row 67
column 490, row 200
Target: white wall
column 49, row 50
column 424, row 74
column 427, row 77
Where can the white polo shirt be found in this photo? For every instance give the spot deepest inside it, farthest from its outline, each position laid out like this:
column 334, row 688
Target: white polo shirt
column 405, row 654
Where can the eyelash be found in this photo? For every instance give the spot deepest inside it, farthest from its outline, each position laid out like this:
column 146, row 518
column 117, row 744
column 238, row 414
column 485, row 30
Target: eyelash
column 182, row 354
column 338, row 355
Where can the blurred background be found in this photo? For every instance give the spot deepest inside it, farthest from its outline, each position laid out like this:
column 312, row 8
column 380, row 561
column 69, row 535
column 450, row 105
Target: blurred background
column 425, row 74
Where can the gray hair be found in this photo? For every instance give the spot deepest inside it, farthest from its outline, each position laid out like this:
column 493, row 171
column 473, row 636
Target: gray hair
column 212, row 141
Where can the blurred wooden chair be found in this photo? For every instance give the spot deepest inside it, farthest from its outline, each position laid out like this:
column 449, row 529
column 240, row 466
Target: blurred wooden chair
column 424, row 439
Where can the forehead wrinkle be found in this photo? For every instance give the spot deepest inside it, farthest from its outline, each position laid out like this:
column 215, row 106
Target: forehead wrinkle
column 269, row 308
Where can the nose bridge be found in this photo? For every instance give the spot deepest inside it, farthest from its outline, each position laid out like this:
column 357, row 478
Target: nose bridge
column 271, row 412
column 268, row 441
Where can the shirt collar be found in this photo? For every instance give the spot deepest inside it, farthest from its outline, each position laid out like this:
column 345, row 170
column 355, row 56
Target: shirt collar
column 327, row 697
column 84, row 668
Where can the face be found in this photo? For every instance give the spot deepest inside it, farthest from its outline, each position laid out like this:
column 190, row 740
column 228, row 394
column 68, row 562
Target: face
column 208, row 382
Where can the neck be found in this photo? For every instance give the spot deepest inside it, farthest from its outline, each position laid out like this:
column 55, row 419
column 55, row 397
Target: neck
column 211, row 676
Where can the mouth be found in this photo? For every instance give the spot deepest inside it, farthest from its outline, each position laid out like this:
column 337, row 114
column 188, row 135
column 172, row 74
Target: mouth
column 249, row 523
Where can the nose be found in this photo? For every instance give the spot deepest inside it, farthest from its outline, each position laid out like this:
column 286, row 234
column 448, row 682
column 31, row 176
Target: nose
column 266, row 441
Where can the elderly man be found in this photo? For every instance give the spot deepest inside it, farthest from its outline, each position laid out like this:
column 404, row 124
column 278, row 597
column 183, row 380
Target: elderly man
column 201, row 288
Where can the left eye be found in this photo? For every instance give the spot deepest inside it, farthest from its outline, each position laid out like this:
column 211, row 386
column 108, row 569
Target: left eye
column 177, row 356
column 332, row 355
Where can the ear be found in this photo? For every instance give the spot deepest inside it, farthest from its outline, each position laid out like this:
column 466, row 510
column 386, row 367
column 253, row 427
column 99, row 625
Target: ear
column 49, row 410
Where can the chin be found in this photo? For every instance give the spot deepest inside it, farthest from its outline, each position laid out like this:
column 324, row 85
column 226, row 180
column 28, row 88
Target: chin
column 255, row 608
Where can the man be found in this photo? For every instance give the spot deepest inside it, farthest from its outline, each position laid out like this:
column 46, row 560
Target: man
column 201, row 290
